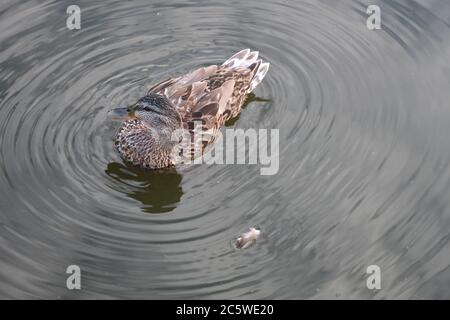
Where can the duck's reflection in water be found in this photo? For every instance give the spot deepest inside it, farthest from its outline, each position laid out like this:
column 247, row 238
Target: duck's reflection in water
column 158, row 190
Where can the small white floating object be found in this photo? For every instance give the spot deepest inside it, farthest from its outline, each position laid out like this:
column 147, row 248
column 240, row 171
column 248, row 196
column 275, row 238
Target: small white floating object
column 246, row 239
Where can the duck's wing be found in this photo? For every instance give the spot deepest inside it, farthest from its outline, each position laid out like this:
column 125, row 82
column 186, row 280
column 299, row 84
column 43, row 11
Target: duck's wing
column 185, row 91
column 209, row 96
column 244, row 68
column 202, row 97
column 192, row 92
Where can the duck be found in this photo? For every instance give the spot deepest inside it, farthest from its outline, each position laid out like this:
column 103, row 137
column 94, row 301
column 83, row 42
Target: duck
column 202, row 100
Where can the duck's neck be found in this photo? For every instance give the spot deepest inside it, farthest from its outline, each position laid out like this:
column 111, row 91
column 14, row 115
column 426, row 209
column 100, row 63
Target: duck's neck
column 141, row 145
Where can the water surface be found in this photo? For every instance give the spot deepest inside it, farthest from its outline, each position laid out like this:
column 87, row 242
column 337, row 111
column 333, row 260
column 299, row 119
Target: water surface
column 364, row 172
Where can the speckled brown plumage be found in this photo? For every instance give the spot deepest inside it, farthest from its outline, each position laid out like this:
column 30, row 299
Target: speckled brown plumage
column 208, row 96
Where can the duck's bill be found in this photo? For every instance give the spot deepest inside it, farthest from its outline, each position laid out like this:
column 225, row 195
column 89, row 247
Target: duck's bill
column 122, row 114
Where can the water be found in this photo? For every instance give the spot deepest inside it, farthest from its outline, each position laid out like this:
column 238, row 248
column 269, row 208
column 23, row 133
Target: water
column 364, row 172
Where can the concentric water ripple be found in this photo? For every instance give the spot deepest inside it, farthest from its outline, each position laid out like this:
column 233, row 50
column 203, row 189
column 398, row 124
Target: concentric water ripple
column 364, row 156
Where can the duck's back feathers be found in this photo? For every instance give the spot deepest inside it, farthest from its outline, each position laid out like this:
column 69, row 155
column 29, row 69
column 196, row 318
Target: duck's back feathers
column 214, row 94
column 244, row 58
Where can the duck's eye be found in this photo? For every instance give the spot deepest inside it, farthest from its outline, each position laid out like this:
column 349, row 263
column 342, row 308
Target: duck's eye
column 147, row 109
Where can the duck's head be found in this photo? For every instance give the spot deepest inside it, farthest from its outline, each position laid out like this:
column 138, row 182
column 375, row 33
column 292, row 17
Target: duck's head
column 145, row 137
column 154, row 110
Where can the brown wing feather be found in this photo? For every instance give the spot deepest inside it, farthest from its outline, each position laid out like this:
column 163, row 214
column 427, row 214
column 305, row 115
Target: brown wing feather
column 206, row 98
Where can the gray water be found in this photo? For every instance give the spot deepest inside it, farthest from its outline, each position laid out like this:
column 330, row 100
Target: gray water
column 364, row 175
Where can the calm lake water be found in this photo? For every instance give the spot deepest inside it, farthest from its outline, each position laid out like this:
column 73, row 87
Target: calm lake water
column 364, row 177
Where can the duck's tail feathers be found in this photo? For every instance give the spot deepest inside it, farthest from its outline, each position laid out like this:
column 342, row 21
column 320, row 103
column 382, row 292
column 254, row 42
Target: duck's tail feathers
column 244, row 58
column 249, row 59
column 259, row 74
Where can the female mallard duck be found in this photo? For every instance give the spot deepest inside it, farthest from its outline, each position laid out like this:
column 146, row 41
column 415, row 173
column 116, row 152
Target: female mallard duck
column 209, row 96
